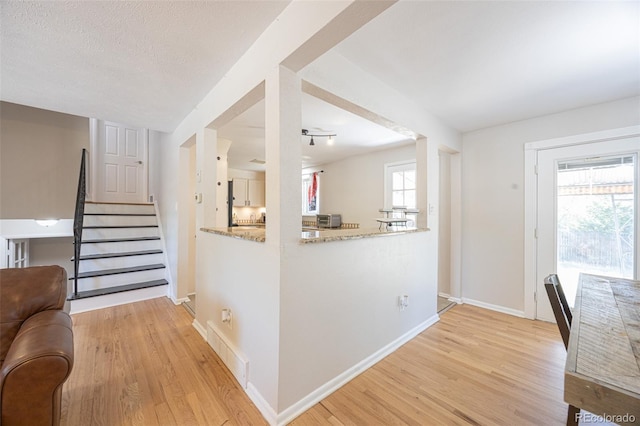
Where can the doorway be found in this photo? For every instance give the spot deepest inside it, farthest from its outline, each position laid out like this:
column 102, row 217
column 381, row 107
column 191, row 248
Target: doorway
column 449, row 219
column 119, row 164
column 587, row 214
column 186, row 288
column 444, row 227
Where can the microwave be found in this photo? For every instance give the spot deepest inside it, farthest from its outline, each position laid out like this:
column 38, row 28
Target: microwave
column 329, row 220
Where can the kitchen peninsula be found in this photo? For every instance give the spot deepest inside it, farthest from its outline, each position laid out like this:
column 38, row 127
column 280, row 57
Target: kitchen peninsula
column 309, row 235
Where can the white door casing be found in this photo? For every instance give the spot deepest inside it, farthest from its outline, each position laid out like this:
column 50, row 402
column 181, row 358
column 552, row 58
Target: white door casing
column 540, row 232
column 119, row 162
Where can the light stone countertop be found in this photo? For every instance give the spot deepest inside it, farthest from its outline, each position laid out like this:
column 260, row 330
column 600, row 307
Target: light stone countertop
column 328, row 235
column 309, row 235
column 251, row 233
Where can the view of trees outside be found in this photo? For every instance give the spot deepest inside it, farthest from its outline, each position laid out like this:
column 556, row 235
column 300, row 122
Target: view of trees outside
column 595, row 220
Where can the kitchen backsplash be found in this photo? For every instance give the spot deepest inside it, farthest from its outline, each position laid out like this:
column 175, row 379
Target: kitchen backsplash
column 248, row 214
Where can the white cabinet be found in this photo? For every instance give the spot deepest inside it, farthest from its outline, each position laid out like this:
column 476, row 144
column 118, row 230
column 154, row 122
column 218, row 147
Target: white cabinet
column 248, row 192
column 239, row 192
column 255, row 190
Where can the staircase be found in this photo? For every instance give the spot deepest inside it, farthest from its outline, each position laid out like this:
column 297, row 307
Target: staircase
column 120, row 251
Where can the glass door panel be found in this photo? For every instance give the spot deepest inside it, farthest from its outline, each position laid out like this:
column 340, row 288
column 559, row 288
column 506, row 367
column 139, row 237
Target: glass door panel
column 595, row 218
column 587, row 202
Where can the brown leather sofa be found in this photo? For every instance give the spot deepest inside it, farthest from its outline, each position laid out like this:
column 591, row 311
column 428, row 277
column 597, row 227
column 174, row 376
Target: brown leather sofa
column 36, row 344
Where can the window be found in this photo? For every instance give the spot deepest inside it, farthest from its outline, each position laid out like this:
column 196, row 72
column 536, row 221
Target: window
column 400, row 185
column 311, row 194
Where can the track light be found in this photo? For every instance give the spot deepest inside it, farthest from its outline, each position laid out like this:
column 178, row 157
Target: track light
column 330, row 141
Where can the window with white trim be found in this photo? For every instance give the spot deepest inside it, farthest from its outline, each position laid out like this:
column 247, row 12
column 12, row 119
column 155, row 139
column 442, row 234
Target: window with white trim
column 400, row 185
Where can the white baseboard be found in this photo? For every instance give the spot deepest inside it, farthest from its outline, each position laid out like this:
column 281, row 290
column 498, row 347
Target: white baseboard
column 200, row 329
column 451, row 298
column 497, row 308
column 262, row 405
column 334, row 384
column 116, row 299
column 179, row 301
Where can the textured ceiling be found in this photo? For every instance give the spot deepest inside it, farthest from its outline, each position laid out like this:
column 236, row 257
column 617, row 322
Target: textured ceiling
column 474, row 64
column 145, row 63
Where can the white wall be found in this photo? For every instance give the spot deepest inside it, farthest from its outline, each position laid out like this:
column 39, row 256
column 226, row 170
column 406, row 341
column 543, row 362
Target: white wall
column 354, row 187
column 493, row 198
column 339, row 305
column 154, row 162
column 241, row 275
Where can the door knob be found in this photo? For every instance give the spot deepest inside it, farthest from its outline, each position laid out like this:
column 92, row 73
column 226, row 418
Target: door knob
column 139, row 162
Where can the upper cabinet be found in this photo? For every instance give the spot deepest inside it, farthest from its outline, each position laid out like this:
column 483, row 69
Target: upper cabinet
column 239, row 192
column 255, row 190
column 248, row 193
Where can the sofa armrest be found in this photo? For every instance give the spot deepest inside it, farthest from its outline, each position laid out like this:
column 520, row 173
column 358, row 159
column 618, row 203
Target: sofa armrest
column 37, row 364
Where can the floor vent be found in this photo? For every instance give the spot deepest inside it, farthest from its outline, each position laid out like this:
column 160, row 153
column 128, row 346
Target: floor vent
column 235, row 362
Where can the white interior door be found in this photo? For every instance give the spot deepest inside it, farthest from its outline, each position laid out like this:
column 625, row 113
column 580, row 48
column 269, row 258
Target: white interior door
column 587, row 219
column 121, row 163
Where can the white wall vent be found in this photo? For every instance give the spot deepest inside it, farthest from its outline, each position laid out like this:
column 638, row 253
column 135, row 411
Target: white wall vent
column 232, row 358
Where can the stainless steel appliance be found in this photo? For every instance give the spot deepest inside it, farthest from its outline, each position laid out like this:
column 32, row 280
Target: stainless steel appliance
column 329, row 220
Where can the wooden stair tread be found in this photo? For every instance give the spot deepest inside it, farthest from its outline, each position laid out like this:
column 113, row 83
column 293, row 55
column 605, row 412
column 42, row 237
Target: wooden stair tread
column 119, row 240
column 119, row 204
column 119, row 226
column 104, row 272
column 120, row 254
column 119, row 214
column 117, row 289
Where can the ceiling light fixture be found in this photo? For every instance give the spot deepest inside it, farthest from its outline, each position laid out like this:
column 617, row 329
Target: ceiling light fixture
column 330, row 141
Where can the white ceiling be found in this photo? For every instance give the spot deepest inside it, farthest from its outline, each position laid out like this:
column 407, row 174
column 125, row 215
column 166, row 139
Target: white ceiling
column 354, row 135
column 474, row 64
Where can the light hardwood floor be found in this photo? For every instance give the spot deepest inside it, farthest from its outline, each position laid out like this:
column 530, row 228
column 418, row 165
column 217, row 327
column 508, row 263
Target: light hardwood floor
column 144, row 364
column 444, row 304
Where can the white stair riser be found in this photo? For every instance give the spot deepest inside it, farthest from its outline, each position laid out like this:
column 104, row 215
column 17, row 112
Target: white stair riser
column 118, row 220
column 101, row 248
column 103, row 233
column 100, row 302
column 120, row 262
column 106, row 281
column 119, row 208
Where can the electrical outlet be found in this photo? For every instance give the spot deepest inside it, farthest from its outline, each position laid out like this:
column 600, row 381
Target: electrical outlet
column 403, row 302
column 227, row 317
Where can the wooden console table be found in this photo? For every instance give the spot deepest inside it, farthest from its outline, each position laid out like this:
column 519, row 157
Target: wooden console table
column 602, row 373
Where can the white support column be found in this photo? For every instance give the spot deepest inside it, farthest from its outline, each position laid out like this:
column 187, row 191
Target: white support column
column 422, row 181
column 221, row 182
column 206, row 154
column 283, row 154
